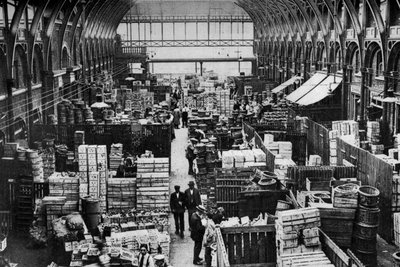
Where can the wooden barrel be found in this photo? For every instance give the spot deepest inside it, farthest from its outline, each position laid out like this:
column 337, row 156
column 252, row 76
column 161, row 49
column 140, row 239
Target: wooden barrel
column 363, row 244
column 396, row 258
column 368, row 216
column 365, row 230
column 368, row 196
column 267, row 183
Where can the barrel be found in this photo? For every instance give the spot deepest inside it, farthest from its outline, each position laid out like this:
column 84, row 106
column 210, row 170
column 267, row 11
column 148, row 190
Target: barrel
column 364, row 244
column 365, row 230
column 368, row 196
column 369, row 216
column 91, row 212
column 396, row 258
column 267, row 183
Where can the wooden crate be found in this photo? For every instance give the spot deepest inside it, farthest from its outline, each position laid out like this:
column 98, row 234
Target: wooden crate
column 255, row 247
column 250, row 246
column 318, row 184
column 228, row 185
column 121, row 194
column 152, row 197
column 337, row 223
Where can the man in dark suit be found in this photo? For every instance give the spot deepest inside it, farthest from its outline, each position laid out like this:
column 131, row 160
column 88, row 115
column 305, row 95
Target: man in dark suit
column 177, row 204
column 197, row 233
column 193, row 199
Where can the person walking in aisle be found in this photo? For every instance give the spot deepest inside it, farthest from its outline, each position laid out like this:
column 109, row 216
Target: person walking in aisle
column 190, row 154
column 185, row 116
column 197, row 223
column 193, row 199
column 145, row 260
column 177, row 204
column 177, row 118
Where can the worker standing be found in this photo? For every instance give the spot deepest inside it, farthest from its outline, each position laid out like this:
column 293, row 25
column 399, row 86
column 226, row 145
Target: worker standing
column 185, row 116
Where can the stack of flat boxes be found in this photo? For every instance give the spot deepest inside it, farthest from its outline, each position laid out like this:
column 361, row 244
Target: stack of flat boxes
column 348, row 131
column 121, row 194
column 243, row 158
column 115, row 156
column 49, row 162
column 63, row 186
column 93, row 171
column 373, row 132
column 282, row 148
column 152, row 183
column 297, row 236
column 225, row 104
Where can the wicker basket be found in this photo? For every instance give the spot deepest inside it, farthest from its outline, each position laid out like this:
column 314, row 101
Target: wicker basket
column 368, row 196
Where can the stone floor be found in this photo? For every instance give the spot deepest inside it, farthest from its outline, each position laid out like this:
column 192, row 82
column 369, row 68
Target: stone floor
column 181, row 249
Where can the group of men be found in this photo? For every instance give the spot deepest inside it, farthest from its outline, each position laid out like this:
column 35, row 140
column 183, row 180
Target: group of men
column 201, row 225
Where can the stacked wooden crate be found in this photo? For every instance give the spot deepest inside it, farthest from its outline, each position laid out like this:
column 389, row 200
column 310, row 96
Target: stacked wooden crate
column 396, row 223
column 115, row 156
column 152, row 183
column 297, row 234
column 225, row 104
column 121, row 194
column 93, row 171
column 373, row 132
column 54, row 209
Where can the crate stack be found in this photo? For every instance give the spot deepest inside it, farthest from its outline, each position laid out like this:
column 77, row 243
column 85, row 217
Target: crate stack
column 333, row 159
column 225, row 104
column 93, row 171
column 243, row 158
column 61, row 185
column 35, row 165
column 396, row 224
column 54, row 209
column 346, row 130
column 116, row 156
column 152, row 183
column 121, row 194
column 373, row 132
column 297, row 238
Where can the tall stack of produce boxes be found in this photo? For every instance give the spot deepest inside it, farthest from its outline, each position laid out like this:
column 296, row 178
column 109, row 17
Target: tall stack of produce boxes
column 348, row 131
column 152, row 183
column 121, row 193
column 297, row 238
column 92, row 161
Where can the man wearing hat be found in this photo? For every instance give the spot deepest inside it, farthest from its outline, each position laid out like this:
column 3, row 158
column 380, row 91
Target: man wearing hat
column 197, row 233
column 177, row 204
column 159, row 261
column 192, row 199
column 190, row 154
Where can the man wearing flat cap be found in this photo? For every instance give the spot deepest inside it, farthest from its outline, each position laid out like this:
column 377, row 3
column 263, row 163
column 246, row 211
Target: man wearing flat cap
column 192, row 198
column 177, row 204
column 197, row 233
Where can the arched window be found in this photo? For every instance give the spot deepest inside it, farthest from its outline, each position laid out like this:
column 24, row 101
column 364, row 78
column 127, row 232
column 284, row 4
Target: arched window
column 19, row 69
column 65, row 62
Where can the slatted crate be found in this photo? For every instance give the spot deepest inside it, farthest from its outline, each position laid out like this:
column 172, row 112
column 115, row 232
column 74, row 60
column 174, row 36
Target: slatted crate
column 121, row 194
column 158, row 179
column 152, row 198
column 228, row 185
